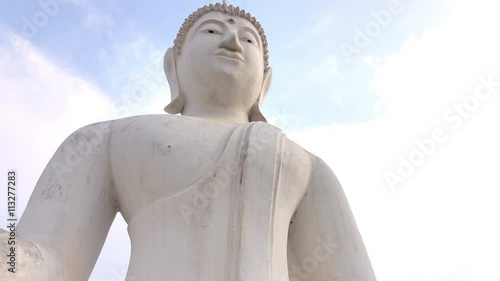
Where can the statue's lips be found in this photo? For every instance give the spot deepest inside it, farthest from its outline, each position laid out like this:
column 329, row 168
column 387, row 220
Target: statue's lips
column 229, row 55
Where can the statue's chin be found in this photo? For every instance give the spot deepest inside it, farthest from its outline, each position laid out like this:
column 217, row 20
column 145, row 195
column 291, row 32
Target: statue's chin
column 228, row 68
column 225, row 79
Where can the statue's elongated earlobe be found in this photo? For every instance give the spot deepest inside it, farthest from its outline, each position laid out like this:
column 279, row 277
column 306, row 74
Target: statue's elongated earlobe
column 176, row 104
column 255, row 114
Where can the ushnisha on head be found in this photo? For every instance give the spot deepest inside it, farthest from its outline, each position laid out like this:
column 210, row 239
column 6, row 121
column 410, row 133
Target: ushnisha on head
column 218, row 67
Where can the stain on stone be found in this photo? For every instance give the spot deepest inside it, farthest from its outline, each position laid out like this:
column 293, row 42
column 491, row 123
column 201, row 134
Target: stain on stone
column 161, row 147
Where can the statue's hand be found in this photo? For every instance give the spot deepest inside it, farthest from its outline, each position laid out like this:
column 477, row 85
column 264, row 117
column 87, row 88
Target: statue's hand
column 24, row 260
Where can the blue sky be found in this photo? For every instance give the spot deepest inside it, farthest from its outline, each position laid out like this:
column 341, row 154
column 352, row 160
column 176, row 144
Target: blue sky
column 108, row 42
column 366, row 114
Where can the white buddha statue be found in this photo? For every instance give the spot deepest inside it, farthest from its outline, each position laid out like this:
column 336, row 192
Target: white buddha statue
column 213, row 194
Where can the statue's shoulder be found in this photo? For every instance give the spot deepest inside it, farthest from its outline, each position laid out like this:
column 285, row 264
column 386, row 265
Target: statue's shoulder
column 143, row 120
column 152, row 122
column 292, row 148
column 311, row 168
column 293, row 152
column 296, row 161
column 102, row 132
column 298, row 154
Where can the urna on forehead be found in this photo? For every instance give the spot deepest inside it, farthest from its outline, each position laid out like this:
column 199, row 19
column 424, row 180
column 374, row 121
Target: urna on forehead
column 226, row 9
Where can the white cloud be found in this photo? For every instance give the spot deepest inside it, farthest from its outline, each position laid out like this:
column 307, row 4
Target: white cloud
column 441, row 221
column 371, row 61
column 97, row 18
column 41, row 105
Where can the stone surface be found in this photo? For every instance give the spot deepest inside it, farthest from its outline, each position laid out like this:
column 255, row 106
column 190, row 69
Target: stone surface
column 208, row 195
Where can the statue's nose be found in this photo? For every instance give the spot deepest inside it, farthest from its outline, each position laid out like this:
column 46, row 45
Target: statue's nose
column 231, row 42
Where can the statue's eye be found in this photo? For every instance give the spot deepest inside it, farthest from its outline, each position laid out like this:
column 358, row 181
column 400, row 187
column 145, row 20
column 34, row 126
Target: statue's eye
column 211, row 31
column 248, row 37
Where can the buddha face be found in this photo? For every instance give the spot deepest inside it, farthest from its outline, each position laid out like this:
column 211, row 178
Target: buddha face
column 222, row 61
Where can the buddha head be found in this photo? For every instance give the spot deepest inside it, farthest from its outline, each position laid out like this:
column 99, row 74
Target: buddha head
column 219, row 63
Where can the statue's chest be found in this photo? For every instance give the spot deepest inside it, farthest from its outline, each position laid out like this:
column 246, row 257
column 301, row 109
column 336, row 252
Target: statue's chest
column 155, row 160
column 213, row 170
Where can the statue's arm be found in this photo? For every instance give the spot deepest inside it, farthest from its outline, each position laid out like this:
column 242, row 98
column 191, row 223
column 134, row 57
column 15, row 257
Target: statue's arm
column 324, row 241
column 71, row 209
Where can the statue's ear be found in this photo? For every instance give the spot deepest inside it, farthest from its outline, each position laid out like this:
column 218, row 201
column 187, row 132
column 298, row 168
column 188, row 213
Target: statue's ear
column 255, row 114
column 176, row 104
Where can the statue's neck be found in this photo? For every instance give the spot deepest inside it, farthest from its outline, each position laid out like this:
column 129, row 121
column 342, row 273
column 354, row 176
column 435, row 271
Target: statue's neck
column 216, row 113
